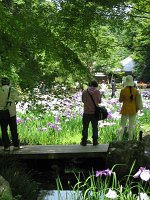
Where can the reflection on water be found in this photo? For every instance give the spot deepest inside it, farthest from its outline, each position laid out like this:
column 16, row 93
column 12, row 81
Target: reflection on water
column 60, row 195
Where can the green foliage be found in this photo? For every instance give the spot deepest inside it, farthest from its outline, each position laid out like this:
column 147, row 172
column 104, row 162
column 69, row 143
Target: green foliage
column 49, row 40
column 21, row 185
column 68, row 130
column 139, row 27
column 104, row 184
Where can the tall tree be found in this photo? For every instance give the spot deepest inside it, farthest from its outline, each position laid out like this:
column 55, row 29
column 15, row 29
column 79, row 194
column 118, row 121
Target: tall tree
column 61, row 40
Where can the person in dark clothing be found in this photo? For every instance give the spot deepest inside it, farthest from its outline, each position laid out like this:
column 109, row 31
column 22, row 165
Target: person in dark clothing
column 113, row 88
column 4, row 117
column 89, row 112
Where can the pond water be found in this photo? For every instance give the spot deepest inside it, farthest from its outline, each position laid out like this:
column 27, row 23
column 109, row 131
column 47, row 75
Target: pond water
column 49, row 184
column 60, row 195
column 63, row 175
column 57, row 180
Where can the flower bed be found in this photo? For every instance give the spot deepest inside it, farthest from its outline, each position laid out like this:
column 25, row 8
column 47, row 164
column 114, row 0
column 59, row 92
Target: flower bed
column 48, row 119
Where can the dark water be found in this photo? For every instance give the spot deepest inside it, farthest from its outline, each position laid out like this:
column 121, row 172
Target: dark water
column 57, row 178
column 63, row 174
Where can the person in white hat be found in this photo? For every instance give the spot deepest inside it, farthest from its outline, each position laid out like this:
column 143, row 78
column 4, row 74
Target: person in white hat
column 129, row 109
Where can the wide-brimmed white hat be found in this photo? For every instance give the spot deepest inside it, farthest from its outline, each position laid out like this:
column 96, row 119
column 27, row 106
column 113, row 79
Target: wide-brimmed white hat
column 129, row 81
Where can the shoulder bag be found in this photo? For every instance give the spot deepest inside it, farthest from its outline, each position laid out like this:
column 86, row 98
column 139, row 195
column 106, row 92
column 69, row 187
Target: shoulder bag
column 101, row 112
column 138, row 100
column 8, row 101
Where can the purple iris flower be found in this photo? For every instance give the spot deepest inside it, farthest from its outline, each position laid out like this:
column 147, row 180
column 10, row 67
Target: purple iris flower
column 106, row 172
column 57, row 119
column 109, row 115
column 54, row 126
column 19, row 120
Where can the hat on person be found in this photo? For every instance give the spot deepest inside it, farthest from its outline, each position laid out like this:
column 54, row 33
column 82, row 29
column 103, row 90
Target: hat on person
column 93, row 83
column 129, row 81
column 5, row 81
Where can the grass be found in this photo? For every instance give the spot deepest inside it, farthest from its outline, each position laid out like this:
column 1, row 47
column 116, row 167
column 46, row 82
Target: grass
column 104, row 185
column 38, row 131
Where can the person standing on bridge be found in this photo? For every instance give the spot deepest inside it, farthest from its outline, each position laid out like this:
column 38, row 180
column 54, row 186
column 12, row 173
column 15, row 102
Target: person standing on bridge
column 89, row 112
column 4, row 115
column 129, row 107
column 9, row 95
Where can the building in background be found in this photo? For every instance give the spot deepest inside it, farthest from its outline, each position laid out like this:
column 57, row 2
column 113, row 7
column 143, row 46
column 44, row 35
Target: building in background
column 100, row 77
column 128, row 65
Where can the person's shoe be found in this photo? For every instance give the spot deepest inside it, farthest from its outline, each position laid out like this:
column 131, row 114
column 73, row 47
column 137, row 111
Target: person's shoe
column 7, row 149
column 83, row 143
column 95, row 143
column 17, row 148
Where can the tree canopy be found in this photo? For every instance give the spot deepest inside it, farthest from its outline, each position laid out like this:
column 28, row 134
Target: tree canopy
column 68, row 40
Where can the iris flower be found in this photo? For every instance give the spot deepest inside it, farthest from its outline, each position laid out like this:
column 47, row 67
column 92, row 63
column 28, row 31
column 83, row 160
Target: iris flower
column 143, row 196
column 143, row 173
column 111, row 194
column 19, row 120
column 106, row 172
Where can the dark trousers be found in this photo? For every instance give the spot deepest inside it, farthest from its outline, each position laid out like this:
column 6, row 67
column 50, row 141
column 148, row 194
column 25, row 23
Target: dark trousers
column 113, row 93
column 4, row 118
column 13, row 129
column 87, row 118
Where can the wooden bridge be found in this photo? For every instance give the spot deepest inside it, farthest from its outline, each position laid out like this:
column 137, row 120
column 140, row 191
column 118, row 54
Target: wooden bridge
column 57, row 151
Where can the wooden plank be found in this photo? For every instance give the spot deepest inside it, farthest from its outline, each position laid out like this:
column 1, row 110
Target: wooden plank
column 58, row 151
